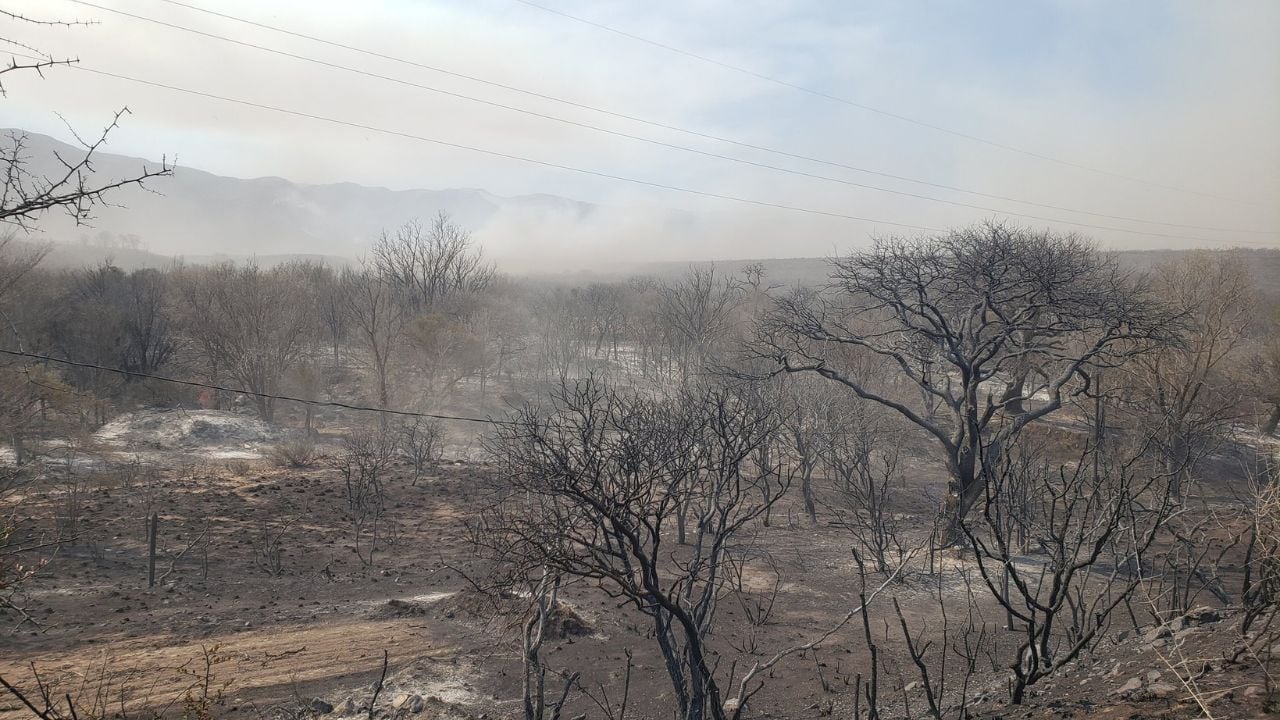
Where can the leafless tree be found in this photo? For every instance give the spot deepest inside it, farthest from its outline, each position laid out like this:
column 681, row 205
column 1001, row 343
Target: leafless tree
column 606, row 305
column 865, row 492
column 1263, row 366
column 1091, row 523
column 29, row 193
column 421, row 442
column 334, row 314
column 696, row 313
column 114, row 318
column 957, row 312
column 545, row 602
column 805, row 433
column 364, row 463
column 444, row 353
column 645, row 325
column 431, row 265
column 377, row 310
column 563, row 331
column 1187, row 389
column 252, row 324
column 596, row 482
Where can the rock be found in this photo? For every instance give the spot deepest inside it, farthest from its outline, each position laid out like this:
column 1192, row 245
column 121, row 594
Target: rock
column 1115, row 671
column 1155, row 633
column 1153, row 676
column 320, row 706
column 1161, row 689
column 1203, row 615
column 346, row 707
column 1163, row 630
column 1133, row 684
column 911, row 686
column 408, row 703
column 1254, row 691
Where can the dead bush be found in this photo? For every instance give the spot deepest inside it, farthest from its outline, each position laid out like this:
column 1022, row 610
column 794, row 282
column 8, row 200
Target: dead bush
column 295, row 453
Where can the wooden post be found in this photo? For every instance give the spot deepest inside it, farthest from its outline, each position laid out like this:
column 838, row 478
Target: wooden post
column 152, row 531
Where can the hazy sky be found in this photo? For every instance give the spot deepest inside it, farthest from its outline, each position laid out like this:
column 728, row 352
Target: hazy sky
column 1185, row 94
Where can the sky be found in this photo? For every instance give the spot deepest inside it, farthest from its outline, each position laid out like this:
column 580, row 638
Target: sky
column 1180, row 98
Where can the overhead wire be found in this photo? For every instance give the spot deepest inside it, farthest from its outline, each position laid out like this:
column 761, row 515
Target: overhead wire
column 251, row 393
column 498, row 153
column 666, row 126
column 870, row 108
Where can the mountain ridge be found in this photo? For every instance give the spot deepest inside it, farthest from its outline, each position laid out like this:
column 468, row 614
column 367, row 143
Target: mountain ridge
column 197, row 212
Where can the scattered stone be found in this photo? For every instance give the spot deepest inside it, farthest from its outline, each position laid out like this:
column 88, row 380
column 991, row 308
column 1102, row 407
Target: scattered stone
column 911, row 686
column 1153, row 676
column 1163, row 630
column 1133, row 685
column 320, row 706
column 346, row 707
column 1203, row 615
column 1254, row 691
column 408, row 703
column 1161, row 689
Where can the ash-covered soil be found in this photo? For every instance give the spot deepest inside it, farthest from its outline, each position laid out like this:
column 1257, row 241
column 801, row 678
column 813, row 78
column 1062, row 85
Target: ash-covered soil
column 305, row 636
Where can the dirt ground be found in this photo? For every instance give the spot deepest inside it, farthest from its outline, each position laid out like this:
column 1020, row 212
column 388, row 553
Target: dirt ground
column 219, row 625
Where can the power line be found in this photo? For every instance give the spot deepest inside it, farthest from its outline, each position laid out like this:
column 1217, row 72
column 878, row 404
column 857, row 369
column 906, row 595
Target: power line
column 870, row 108
column 241, row 391
column 617, row 133
column 499, row 154
column 665, row 126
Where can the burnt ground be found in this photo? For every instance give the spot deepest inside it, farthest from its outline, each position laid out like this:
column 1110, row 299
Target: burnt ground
column 221, row 625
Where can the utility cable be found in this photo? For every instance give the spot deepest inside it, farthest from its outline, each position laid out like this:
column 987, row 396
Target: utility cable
column 665, row 126
column 242, row 391
column 873, row 109
column 499, row 154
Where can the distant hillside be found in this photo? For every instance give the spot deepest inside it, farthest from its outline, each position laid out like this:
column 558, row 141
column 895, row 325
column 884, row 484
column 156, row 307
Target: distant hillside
column 1263, row 264
column 199, row 213
column 77, row 255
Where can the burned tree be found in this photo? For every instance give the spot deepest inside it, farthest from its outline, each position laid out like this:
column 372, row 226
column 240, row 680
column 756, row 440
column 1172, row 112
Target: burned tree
column 596, row 484
column 363, row 463
column 957, row 313
column 1089, row 523
column 252, row 324
column 377, row 310
column 67, row 183
column 431, row 265
column 697, row 314
column 1187, row 391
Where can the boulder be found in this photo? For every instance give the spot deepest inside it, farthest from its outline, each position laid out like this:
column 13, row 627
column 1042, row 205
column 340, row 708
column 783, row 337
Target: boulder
column 320, row 707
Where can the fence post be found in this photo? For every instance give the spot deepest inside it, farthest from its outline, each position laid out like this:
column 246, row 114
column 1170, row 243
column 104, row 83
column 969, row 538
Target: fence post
column 152, row 532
